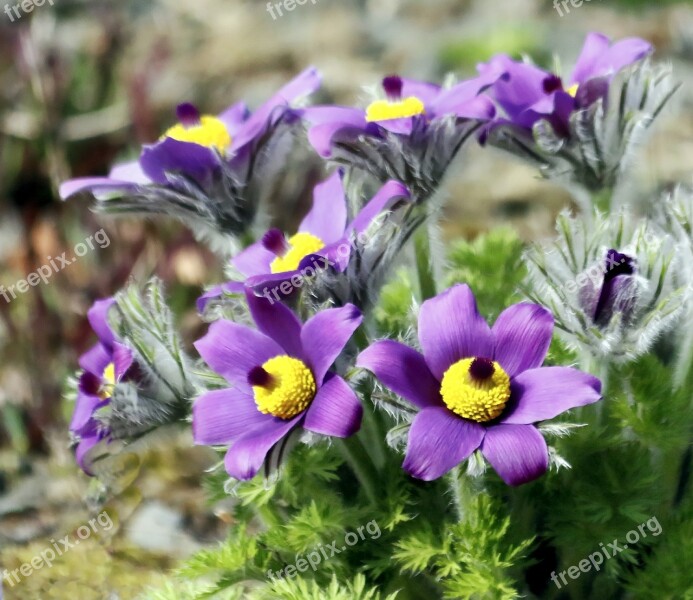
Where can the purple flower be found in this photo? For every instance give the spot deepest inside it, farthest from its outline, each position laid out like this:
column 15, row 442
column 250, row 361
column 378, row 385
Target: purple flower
column 201, row 168
column 530, row 94
column 410, row 135
column 280, row 381
column 479, row 388
column 615, row 292
column 106, row 364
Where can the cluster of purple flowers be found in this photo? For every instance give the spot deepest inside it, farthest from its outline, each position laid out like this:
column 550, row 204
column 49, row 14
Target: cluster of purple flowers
column 476, row 387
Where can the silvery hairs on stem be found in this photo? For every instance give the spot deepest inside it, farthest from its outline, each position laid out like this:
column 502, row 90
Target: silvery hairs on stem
column 603, row 138
column 612, row 284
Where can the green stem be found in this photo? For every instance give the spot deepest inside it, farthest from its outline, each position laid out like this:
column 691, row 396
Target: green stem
column 424, row 268
column 461, row 492
column 361, row 464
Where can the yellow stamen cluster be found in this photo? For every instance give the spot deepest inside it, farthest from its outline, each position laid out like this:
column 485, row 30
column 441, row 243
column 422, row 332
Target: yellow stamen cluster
column 384, row 110
column 302, row 244
column 290, row 390
column 109, row 381
column 477, row 400
column 572, row 90
column 211, row 132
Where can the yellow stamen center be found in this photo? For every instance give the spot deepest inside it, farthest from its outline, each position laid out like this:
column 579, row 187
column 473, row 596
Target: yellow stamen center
column 109, row 381
column 572, row 90
column 384, row 110
column 477, row 399
column 290, row 388
column 302, row 244
column 211, row 132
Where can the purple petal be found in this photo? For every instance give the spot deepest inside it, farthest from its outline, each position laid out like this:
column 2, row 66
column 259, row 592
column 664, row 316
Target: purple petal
column 327, row 121
column 278, row 322
column 230, row 287
column 85, row 405
column 98, row 319
column 234, row 117
column 247, row 454
column 402, row 370
column 386, row 196
column 438, row 441
column 595, row 45
column 458, row 98
column 232, row 350
column 523, row 336
column 401, row 125
column 599, row 59
column 94, row 185
column 95, row 360
column 423, row 90
column 254, row 260
column 220, row 416
column 174, row 156
column 328, row 217
column 276, row 287
column 130, row 171
column 325, row 335
column 451, row 328
column 83, row 449
column 122, row 360
column 518, row 453
column 541, row 394
column 335, row 410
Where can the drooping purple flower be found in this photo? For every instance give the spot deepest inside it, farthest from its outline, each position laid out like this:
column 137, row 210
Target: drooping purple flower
column 205, row 169
column 479, row 388
column 106, row 364
column 280, row 381
column 411, row 135
column 530, row 94
column 615, row 292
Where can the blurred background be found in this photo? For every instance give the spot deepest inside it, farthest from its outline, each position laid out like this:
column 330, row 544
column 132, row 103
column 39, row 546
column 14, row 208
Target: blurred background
column 84, row 83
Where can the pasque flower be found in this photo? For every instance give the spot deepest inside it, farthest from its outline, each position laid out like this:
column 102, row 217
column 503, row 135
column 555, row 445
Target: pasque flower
column 281, row 381
column 479, row 388
column 583, row 130
column 104, row 365
column 206, row 169
column 411, row 134
column 325, row 240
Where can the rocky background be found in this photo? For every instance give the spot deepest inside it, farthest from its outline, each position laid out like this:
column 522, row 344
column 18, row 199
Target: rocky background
column 83, row 83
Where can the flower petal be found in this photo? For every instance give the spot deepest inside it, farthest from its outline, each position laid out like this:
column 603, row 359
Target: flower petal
column 278, row 322
column 335, row 410
column 385, row 197
column 98, row 319
column 438, row 441
column 174, row 156
column 94, row 185
column 325, row 335
column 523, row 336
column 232, row 350
column 451, row 328
column 541, row 394
column 130, row 171
column 518, row 453
column 402, row 370
column 85, row 405
column 95, row 360
column 328, row 217
column 220, row 416
column 216, row 292
column 122, row 360
column 247, row 454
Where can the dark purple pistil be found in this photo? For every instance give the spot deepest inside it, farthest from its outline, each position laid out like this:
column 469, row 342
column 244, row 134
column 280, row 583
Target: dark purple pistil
column 481, row 369
column 552, row 83
column 188, row 115
column 275, row 241
column 259, row 377
column 393, row 87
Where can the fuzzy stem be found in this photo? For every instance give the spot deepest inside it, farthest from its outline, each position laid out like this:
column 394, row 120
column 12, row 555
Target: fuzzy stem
column 359, row 460
column 461, row 492
column 424, row 268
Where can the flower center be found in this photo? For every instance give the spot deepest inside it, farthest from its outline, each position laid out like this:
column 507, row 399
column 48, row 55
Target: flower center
column 108, row 382
column 384, row 110
column 299, row 246
column 572, row 90
column 204, row 130
column 283, row 387
column 476, row 388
